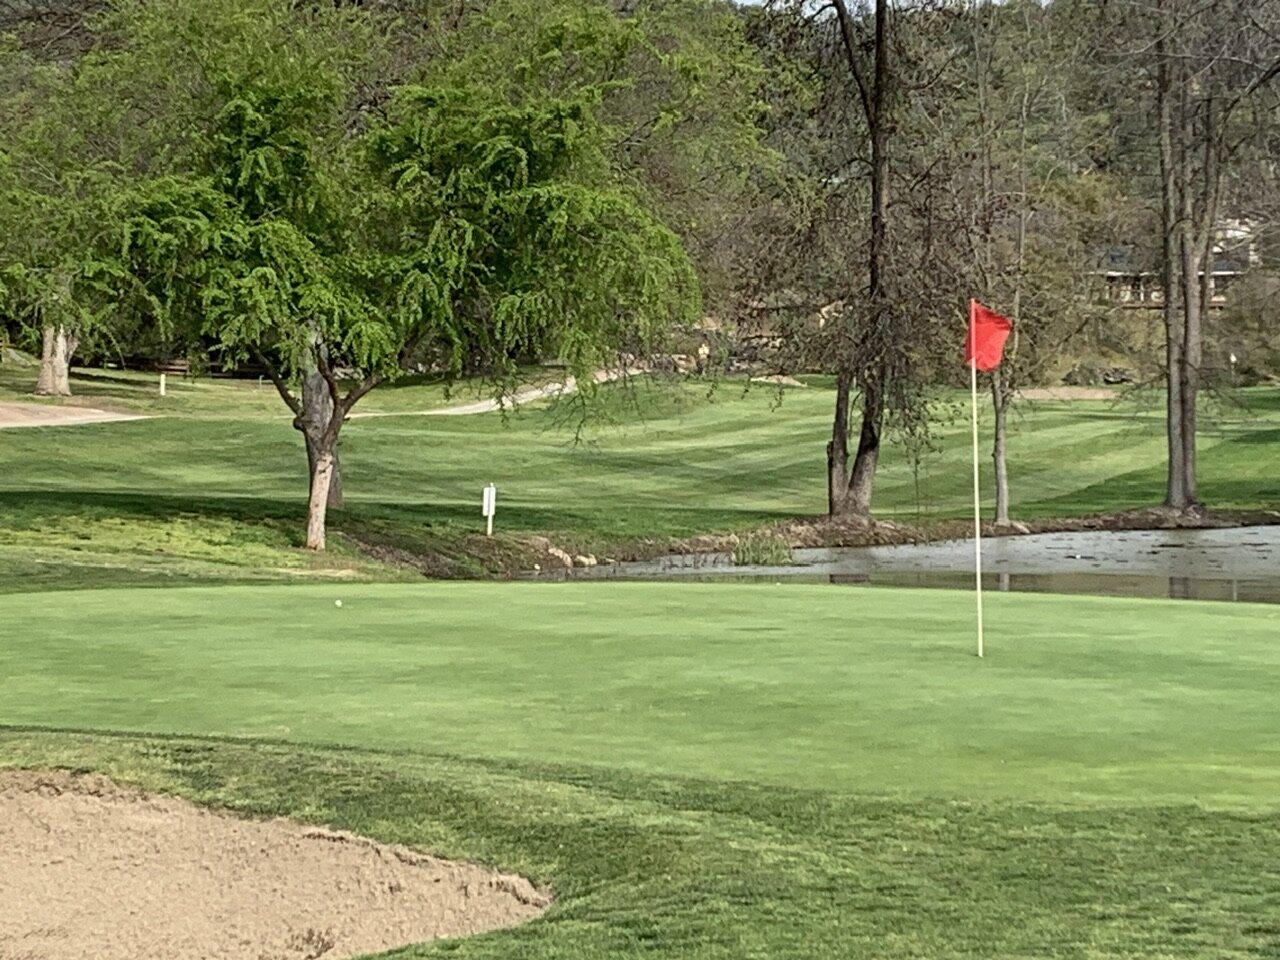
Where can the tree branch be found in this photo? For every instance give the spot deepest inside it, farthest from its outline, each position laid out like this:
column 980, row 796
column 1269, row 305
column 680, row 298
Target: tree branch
column 282, row 388
column 846, row 36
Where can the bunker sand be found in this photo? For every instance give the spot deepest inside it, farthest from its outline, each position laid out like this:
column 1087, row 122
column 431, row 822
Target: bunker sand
column 89, row 868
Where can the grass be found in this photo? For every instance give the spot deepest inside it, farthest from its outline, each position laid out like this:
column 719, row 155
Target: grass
column 700, row 771
column 1083, row 700
column 222, row 454
column 713, row 771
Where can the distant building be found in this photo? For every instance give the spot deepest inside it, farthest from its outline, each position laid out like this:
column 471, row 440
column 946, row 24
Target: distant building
column 1129, row 282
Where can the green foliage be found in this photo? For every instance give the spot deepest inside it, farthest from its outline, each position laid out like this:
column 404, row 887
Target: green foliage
column 467, row 224
column 504, row 234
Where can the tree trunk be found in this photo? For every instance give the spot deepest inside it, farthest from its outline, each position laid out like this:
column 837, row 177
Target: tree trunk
column 334, row 497
column 1001, row 406
column 1176, row 487
column 321, row 475
column 857, row 501
column 317, row 411
column 852, row 496
column 1189, row 368
column 838, row 449
column 55, row 363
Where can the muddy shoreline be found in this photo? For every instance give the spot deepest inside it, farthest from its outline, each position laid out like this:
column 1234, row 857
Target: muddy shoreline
column 856, row 532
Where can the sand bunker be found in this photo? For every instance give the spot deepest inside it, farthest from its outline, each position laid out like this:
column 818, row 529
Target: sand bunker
column 89, row 868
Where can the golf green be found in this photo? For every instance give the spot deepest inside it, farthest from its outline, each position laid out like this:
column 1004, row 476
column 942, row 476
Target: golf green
column 859, row 690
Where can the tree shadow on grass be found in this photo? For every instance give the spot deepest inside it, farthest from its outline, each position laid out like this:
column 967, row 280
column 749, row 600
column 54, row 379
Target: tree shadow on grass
column 31, row 509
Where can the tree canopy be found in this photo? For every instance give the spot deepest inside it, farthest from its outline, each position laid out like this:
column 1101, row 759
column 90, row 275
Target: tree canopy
column 291, row 190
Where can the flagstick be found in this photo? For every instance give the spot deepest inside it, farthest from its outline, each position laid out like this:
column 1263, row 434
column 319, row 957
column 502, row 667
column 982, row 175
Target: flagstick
column 977, row 504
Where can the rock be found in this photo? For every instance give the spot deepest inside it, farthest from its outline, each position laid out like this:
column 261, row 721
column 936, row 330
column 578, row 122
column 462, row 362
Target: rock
column 556, row 553
column 1012, row 526
column 584, row 560
column 779, row 379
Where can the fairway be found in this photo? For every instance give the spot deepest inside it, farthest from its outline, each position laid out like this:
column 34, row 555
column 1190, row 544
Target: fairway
column 874, row 691
column 220, row 493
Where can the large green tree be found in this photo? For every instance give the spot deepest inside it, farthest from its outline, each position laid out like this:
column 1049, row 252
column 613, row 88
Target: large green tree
column 60, row 166
column 500, row 205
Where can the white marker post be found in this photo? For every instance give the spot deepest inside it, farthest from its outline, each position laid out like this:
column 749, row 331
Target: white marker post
column 489, row 507
column 162, row 383
column 977, row 501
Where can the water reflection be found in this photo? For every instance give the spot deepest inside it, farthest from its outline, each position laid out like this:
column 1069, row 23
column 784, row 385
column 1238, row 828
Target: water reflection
column 1241, row 564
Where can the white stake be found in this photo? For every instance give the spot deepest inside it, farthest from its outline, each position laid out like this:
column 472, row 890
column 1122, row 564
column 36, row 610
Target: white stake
column 162, row 383
column 489, row 506
column 977, row 502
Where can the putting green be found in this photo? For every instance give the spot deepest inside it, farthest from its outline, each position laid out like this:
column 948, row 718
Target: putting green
column 859, row 690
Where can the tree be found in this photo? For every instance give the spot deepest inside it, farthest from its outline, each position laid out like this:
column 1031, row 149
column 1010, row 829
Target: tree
column 1208, row 62
column 1030, row 203
column 864, row 191
column 461, row 225
column 56, row 184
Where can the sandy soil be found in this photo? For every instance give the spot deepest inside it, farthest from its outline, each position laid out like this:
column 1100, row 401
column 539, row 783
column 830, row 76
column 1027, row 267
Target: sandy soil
column 490, row 405
column 1068, row 393
column 40, row 415
column 89, row 868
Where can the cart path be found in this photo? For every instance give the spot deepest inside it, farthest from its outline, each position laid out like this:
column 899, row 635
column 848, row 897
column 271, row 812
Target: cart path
column 41, row 415
column 492, row 405
column 48, row 415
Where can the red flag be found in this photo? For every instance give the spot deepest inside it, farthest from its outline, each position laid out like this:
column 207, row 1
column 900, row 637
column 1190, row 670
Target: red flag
column 988, row 331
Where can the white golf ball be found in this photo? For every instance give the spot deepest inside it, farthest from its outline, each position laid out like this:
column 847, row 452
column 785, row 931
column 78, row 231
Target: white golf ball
column 337, row 603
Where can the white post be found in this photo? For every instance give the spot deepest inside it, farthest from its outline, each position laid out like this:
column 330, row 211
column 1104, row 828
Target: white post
column 489, row 506
column 977, row 503
column 162, row 383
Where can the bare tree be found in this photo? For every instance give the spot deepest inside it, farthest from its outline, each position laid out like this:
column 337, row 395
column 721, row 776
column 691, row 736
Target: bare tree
column 1020, row 191
column 869, row 68
column 1209, row 61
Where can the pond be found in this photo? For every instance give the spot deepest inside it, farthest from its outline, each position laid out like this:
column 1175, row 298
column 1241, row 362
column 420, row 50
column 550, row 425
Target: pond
column 1240, row 563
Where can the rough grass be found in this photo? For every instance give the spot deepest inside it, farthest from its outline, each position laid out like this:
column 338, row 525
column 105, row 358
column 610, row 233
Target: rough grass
column 649, row 866
column 761, row 548
column 713, row 771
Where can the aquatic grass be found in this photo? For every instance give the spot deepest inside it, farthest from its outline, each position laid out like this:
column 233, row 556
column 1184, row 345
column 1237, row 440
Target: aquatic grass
column 761, row 548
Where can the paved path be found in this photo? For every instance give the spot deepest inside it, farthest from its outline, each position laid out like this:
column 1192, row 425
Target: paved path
column 490, row 405
column 1068, row 393
column 41, row 415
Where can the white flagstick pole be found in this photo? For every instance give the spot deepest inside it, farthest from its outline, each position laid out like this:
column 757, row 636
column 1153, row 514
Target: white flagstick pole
column 977, row 503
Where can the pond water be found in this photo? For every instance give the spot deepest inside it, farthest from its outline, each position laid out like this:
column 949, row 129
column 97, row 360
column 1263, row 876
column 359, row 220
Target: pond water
column 1241, row 563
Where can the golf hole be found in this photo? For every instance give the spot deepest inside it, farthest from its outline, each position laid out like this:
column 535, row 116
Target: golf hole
column 90, row 868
